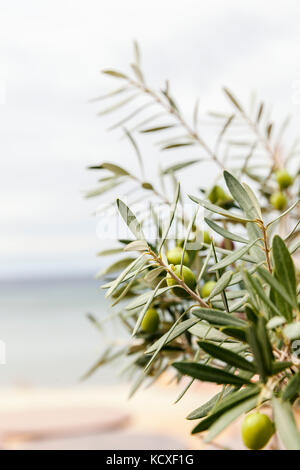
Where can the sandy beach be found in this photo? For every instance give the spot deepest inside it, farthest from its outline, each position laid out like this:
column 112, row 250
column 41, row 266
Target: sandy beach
column 101, row 417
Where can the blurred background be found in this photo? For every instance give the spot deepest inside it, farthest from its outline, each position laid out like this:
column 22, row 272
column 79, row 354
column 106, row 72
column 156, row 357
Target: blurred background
column 51, row 56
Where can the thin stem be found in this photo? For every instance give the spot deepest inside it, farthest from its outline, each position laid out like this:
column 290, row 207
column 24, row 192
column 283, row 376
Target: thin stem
column 154, row 190
column 265, row 142
column 179, row 281
column 266, row 247
column 172, row 110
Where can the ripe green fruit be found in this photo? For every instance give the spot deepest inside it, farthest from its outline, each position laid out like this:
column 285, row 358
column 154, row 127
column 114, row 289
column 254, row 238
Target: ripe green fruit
column 257, row 429
column 217, row 193
column 218, row 196
column 187, row 276
column 283, row 179
column 207, row 288
column 206, row 238
column 150, row 321
column 278, row 201
column 174, row 256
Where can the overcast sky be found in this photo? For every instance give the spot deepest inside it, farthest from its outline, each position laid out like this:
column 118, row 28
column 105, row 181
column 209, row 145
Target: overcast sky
column 51, row 55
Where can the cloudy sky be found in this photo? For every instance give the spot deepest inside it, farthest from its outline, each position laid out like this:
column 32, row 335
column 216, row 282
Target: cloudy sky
column 51, row 55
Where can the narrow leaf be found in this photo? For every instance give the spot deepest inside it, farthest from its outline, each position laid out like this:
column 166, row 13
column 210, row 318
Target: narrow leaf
column 217, row 317
column 225, row 233
column 219, row 210
column 209, row 374
column 292, row 389
column 178, row 331
column 221, row 284
column 229, row 357
column 230, row 416
column 285, row 424
column 130, row 220
column 171, row 217
column 233, row 257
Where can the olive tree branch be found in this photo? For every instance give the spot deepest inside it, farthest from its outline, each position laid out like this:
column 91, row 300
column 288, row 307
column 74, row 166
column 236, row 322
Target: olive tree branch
column 174, row 112
column 179, row 281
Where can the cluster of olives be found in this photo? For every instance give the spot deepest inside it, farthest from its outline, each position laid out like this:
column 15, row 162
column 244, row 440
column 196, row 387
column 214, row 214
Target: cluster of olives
column 184, row 272
column 284, row 180
column 257, row 428
column 151, row 318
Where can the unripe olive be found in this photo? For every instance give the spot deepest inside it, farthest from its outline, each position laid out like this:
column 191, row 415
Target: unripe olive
column 174, row 256
column 216, row 194
column 283, row 179
column 219, row 197
column 207, row 288
column 150, row 321
column 278, row 201
column 186, row 275
column 206, row 237
column 257, row 429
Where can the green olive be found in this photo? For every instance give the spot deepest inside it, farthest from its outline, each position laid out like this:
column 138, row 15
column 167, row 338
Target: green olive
column 283, row 179
column 186, row 275
column 206, row 237
column 150, row 321
column 174, row 256
column 257, row 429
column 278, row 201
column 207, row 288
column 219, row 197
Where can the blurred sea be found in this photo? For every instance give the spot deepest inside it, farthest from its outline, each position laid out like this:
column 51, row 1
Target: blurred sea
column 48, row 339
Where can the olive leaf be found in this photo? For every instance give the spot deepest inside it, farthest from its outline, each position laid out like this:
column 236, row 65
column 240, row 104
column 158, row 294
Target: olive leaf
column 221, row 284
column 224, row 404
column 115, row 73
column 204, row 409
column 227, row 356
column 292, row 388
column 234, row 256
column 130, row 220
column 283, row 214
column 118, row 170
column 285, row 273
column 209, row 374
column 233, row 99
column 117, row 266
column 171, row 217
column 230, row 416
column 179, row 166
column 275, row 285
column 143, row 298
column 219, row 210
column 177, row 331
column 225, row 233
column 285, row 424
column 249, row 204
column 217, row 317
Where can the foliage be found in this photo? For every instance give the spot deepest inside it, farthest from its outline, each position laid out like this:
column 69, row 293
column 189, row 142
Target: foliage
column 242, row 336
